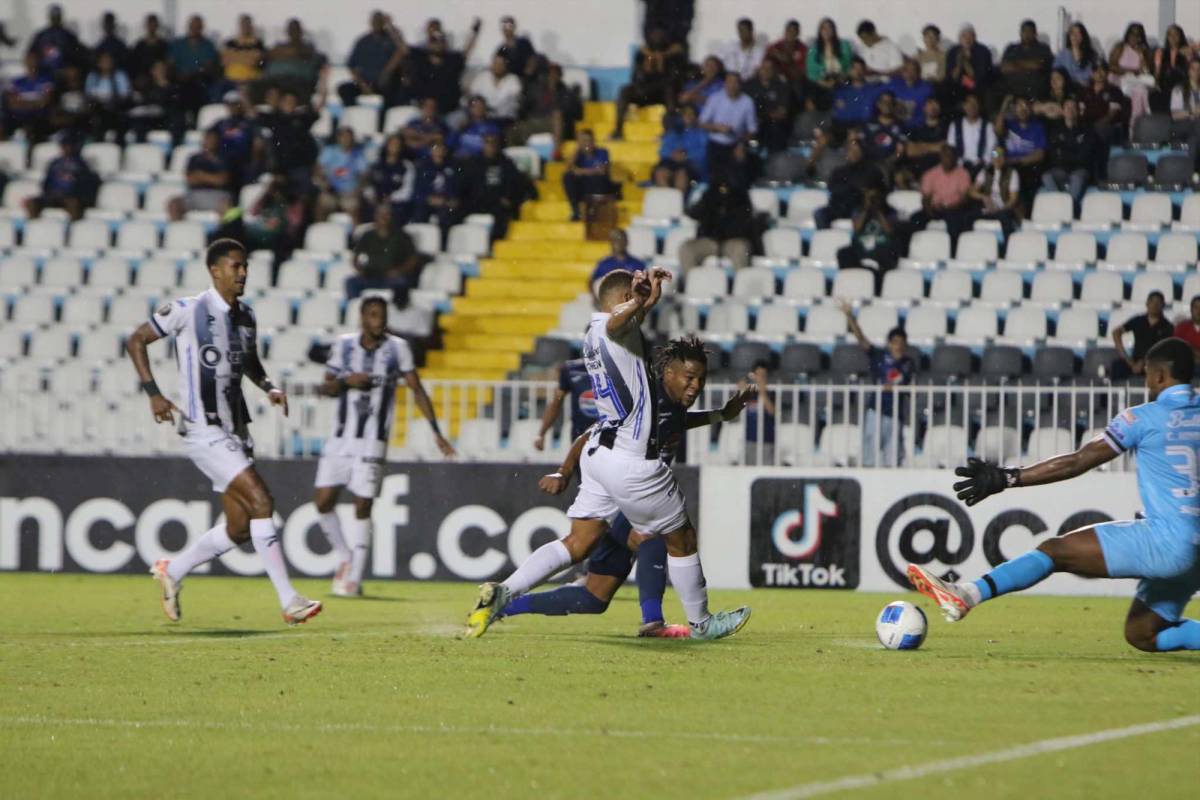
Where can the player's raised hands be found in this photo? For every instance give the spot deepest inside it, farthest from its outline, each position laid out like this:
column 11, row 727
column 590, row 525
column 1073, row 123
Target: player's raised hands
column 278, row 397
column 734, row 405
column 161, row 408
column 983, row 479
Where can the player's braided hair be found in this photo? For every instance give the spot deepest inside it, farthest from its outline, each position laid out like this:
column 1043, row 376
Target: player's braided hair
column 685, row 348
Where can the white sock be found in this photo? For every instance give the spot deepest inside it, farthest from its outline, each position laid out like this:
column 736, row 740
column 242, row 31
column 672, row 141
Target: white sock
column 359, row 536
column 213, row 543
column 267, row 545
column 331, row 526
column 974, row 596
column 687, row 576
column 541, row 564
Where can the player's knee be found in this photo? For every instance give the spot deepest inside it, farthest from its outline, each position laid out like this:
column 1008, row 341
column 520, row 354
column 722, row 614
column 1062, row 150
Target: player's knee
column 362, row 508
column 324, row 505
column 682, row 543
column 1141, row 637
column 1059, row 553
column 261, row 504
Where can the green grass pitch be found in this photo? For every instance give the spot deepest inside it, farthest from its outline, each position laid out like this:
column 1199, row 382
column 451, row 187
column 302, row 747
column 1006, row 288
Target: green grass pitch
column 102, row 697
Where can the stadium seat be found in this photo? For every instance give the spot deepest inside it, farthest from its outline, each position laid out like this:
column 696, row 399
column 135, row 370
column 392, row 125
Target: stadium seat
column 33, row 309
column 1151, row 211
column 877, row 320
column 440, row 276
column 574, row 317
column 42, row 154
column 363, row 120
column 157, row 273
column 108, row 273
column 794, row 444
column 1127, row 171
column 320, row 311
column 1175, row 251
column 297, row 275
column 998, row 443
column 478, row 439
column 1053, row 364
column 1001, row 363
column 526, row 159
column 765, row 201
column 822, row 250
column 210, row 115
column 783, row 243
column 777, row 320
column 184, row 237
column 158, row 195
column 52, row 344
column 676, row 237
column 925, row 323
column 643, row 242
column 102, row 343
column 128, row 310
column 802, row 203
column 13, row 156
column 804, row 285
column 89, row 234
column 1173, row 172
column 1025, row 250
column 468, row 240
column 975, row 249
column 1126, row 251
column 950, row 363
column 179, row 159
column 15, row 194
column 1102, row 289
column 82, row 309
column 143, row 158
column 289, row 347
column 849, row 363
column 824, row 323
column 1098, row 363
column 799, row 360
column 1151, row 131
column 754, row 283
column 1051, row 211
column 17, row 272
column 1077, row 325
column 1101, row 211
column 784, row 168
column 976, row 323
column 951, row 288
column 944, row 446
column 1002, row 287
column 273, row 311
column 116, row 196
column 662, row 203
column 745, row 355
column 325, row 237
column 578, row 77
column 1052, row 288
column 1025, row 324
column 1074, row 250
column 841, row 444
column 137, row 236
column 1147, row 282
column 906, row 202
column 103, row 157
column 8, row 234
column 854, row 284
column 705, row 282
column 902, row 286
column 64, row 271
column 1046, row 442
column 928, row 248
column 44, row 233
column 726, row 321
column 397, row 117
column 1189, row 213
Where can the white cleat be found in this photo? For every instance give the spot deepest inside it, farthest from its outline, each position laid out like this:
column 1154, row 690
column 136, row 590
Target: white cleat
column 953, row 601
column 170, row 589
column 301, row 610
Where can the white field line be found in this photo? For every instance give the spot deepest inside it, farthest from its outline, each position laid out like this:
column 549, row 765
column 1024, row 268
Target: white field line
column 448, row 730
column 1040, row 747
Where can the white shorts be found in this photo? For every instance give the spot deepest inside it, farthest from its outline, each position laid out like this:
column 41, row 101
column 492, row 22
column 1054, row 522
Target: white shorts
column 219, row 455
column 358, row 474
column 644, row 490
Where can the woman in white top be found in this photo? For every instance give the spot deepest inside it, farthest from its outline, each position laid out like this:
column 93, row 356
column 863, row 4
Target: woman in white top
column 997, row 189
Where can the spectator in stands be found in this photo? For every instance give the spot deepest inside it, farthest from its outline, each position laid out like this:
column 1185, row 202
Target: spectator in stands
column 436, row 189
column 294, row 148
column 825, row 158
column 548, row 105
column 1185, row 108
column 69, row 183
column 729, row 118
column 371, row 53
column 151, row 49
column 931, row 57
column 294, row 65
column 828, row 62
column 1073, row 154
column 971, row 136
column 883, row 136
column 759, row 374
column 673, row 16
column 968, row 65
column 1189, row 329
column 911, row 91
column 619, row 258
column 744, row 55
column 195, row 65
column 239, row 142
column 709, row 82
column 1148, row 330
column 492, row 184
column 410, row 321
column 71, row 110
column 243, row 55
column 790, row 53
column 725, row 228
column 1104, row 107
column 420, row 133
column 58, row 50
column 587, row 174
column 923, row 145
column 1025, row 146
column 111, row 43
column 390, row 180
column 997, row 192
column 1051, row 108
column 155, row 106
column 519, row 56
column 883, row 430
column 1026, row 64
column 657, row 68
column 341, row 174
column 437, row 71
column 945, row 194
column 876, row 237
column 882, row 55
column 773, row 106
column 500, row 89
column 28, row 102
column 1132, row 68
column 682, row 152
column 470, row 138
column 273, row 220
column 848, row 183
column 1170, row 65
column 385, row 257
column 109, row 94
column 209, row 179
column 1078, row 56
column 854, row 100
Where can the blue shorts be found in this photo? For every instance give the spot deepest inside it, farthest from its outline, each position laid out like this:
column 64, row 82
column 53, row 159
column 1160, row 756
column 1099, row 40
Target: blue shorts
column 612, row 556
column 1166, row 560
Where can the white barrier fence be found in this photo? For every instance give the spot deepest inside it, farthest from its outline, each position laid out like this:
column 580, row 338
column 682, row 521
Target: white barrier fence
column 846, row 425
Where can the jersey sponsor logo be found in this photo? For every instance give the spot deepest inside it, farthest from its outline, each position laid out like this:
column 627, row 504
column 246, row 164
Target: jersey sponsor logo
column 210, row 356
column 587, row 404
column 1129, row 416
column 164, row 310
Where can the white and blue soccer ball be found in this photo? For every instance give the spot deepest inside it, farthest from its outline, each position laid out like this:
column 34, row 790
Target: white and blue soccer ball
column 901, row 626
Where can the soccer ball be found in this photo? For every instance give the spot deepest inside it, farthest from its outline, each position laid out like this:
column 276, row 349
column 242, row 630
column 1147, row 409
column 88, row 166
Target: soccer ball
column 901, row 626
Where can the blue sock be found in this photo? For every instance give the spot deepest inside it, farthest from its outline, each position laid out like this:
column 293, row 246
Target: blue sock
column 556, row 603
column 652, row 578
column 1184, row 636
column 1013, row 576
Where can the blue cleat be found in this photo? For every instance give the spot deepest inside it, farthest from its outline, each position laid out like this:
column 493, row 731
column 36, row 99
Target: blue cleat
column 722, row 624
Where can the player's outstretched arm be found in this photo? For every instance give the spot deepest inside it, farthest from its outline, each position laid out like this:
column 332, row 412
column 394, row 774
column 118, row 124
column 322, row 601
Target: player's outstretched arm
column 983, row 479
column 257, row 374
column 647, row 291
column 553, row 408
column 730, row 411
column 135, row 345
column 556, row 482
column 413, row 380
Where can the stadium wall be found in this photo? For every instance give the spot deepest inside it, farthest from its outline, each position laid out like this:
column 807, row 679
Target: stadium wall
column 590, row 33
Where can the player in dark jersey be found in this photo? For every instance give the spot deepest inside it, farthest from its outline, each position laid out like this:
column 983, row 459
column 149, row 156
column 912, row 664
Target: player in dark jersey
column 573, row 380
column 683, row 369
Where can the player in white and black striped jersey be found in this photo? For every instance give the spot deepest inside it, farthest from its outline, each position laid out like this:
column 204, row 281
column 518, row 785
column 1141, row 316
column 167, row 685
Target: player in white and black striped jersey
column 362, row 373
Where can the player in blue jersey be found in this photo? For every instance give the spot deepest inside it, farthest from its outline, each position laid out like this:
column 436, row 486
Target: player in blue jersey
column 1163, row 550
column 683, row 369
column 573, row 380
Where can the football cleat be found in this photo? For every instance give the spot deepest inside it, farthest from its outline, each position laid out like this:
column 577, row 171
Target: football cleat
column 339, row 579
column 493, row 597
column 953, row 601
column 301, row 610
column 170, row 589
column 348, row 589
column 721, row 624
column 661, row 630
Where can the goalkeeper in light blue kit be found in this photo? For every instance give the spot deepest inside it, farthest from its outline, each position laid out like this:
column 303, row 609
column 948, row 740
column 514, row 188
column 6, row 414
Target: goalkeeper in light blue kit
column 1163, row 550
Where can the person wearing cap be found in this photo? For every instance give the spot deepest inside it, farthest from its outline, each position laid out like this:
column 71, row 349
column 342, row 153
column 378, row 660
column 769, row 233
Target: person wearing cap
column 69, row 184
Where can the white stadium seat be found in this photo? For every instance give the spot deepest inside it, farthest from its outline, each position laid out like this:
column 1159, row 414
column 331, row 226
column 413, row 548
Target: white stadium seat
column 944, row 446
column 876, row 321
column 1148, row 282
column 783, row 243
column 426, row 236
column 440, row 276
column 1075, row 249
column 1102, row 288
column 13, row 156
column 802, row 203
column 1052, row 210
column 754, row 282
column 1025, row 323
column 1047, row 442
column 117, row 196
column 42, row 155
column 297, row 274
column 210, row 115
column 143, row 158
column 906, row 202
column 1002, row 286
column 804, row 284
column 33, row 309
column 1052, row 287
column 777, row 319
column 83, row 309
column 398, row 117
column 705, row 282
column 102, row 343
column 51, row 344
column 1078, row 324
column 976, row 248
column 44, row 233
column 841, row 444
column 951, row 288
column 108, row 273
column 362, row 120
column 822, row 250
column 321, row 311
column 925, row 323
column 8, row 234
column 998, row 443
column 1100, row 211
column 137, row 235
column 1127, row 251
column 64, row 271
column 643, row 242
column 976, row 323
column 179, row 158
column 158, row 195
column 468, row 240
column 17, row 272
column 157, row 274
column 184, row 236
column 103, row 157
column 661, row 202
column 1151, row 211
column 17, row 192
column 1025, row 249
column 675, row 238
column 89, row 234
column 929, row 247
column 824, row 322
column 128, row 311
column 1176, row 250
column 274, row 311
column 289, row 347
column 1189, row 214
column 478, row 438
column 903, row 285
column 854, row 284
column 765, row 201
